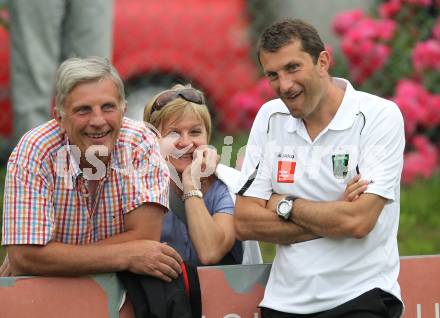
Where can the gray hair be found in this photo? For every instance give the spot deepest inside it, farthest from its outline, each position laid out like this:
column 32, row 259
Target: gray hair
column 74, row 71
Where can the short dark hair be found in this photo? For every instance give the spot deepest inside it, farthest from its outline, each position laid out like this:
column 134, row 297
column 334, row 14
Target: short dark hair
column 285, row 32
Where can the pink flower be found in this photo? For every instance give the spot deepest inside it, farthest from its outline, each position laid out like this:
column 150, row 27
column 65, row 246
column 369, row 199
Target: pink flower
column 363, row 29
column 412, row 99
column 385, row 29
column 264, row 91
column 365, row 58
column 433, row 108
column 346, row 20
column 363, row 48
column 389, row 9
column 420, row 163
column 426, row 55
column 246, row 105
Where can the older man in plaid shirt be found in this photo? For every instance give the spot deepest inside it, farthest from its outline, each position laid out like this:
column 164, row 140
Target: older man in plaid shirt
column 86, row 192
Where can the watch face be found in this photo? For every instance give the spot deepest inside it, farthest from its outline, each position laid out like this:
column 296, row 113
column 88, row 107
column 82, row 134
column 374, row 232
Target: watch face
column 284, row 207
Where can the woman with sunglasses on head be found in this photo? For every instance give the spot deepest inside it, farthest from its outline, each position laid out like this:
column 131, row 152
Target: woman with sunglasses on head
column 200, row 224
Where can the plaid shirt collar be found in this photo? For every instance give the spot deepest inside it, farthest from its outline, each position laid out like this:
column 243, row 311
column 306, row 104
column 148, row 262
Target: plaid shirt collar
column 72, row 164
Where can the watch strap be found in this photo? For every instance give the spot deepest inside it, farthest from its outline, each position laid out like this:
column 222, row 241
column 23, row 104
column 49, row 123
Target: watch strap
column 292, row 199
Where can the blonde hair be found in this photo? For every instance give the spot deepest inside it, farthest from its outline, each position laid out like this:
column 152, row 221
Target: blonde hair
column 177, row 108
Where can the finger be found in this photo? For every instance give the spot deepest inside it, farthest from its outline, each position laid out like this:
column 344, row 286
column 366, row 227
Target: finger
column 170, row 272
column 353, row 187
column 211, row 162
column 196, row 167
column 172, row 263
column 350, row 196
column 171, row 252
column 354, row 180
column 166, row 270
column 198, row 154
column 358, row 192
column 363, row 188
column 161, row 276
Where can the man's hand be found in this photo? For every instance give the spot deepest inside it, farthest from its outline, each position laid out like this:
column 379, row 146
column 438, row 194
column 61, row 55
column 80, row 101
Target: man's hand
column 355, row 187
column 5, row 269
column 154, row 259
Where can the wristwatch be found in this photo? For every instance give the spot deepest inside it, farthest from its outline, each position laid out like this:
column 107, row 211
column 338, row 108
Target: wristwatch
column 192, row 193
column 285, row 207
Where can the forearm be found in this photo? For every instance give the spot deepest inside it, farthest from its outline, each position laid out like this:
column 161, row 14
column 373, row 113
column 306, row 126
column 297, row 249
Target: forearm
column 128, row 236
column 66, row 260
column 255, row 222
column 338, row 218
column 209, row 238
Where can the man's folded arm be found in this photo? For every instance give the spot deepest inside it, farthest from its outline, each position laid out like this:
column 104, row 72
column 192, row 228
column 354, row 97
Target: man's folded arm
column 339, row 218
column 254, row 221
column 137, row 250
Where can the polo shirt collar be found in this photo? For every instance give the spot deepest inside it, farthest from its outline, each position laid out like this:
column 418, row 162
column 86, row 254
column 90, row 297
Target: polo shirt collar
column 292, row 124
column 346, row 113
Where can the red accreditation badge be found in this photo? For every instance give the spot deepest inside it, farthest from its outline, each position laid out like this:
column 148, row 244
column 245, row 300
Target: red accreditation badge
column 286, row 169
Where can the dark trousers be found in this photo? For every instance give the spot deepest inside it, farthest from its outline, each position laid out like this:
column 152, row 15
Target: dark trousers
column 373, row 304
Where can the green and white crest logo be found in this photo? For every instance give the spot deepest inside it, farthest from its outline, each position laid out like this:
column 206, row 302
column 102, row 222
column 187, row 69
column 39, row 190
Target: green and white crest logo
column 340, row 165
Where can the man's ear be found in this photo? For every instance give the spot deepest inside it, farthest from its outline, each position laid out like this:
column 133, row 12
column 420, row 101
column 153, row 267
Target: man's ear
column 324, row 61
column 57, row 116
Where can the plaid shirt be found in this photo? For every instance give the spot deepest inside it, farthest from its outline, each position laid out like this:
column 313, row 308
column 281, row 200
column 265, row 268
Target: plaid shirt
column 46, row 196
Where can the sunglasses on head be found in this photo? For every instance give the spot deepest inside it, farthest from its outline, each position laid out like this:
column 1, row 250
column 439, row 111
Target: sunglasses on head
column 188, row 94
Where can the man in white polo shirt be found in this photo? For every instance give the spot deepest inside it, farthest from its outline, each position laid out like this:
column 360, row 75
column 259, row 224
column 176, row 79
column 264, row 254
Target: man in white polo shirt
column 334, row 258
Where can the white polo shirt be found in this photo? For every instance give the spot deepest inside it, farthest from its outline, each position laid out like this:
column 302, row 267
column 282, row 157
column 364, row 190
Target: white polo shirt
column 366, row 134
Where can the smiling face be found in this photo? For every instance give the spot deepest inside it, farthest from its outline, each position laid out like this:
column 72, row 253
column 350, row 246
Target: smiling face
column 297, row 80
column 188, row 133
column 92, row 116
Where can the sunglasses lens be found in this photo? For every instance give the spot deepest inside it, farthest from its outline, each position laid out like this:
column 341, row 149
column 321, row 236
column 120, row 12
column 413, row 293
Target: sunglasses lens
column 192, row 95
column 188, row 94
column 165, row 98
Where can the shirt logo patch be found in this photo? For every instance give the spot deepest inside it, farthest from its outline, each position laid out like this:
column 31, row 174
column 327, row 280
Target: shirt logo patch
column 286, row 169
column 340, row 166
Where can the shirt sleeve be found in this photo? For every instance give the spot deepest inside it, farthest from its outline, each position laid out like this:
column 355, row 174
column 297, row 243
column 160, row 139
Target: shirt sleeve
column 254, row 148
column 222, row 200
column 261, row 186
column 27, row 207
column 149, row 181
column 382, row 147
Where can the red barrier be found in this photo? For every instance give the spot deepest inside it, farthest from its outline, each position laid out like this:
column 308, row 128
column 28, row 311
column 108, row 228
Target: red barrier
column 227, row 291
column 420, row 282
